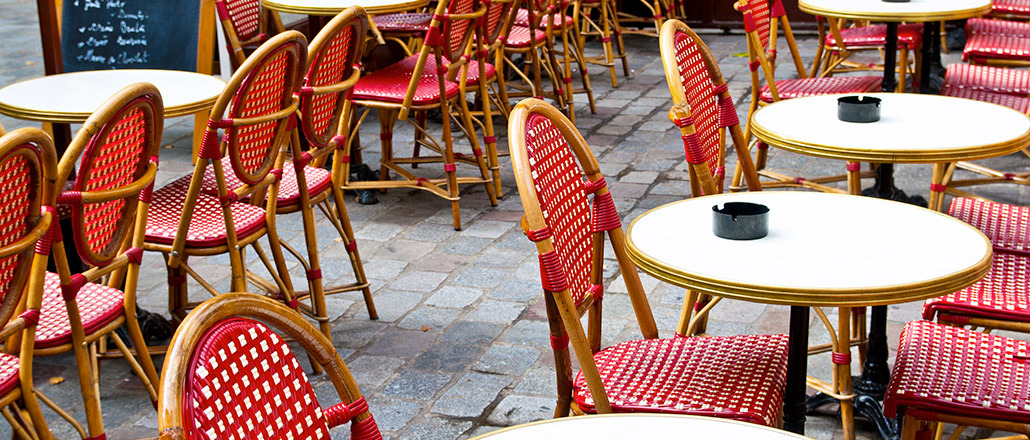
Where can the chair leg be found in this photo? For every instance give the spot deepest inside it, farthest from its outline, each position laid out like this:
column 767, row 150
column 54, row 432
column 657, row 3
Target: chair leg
column 842, row 371
column 87, row 385
column 577, row 52
column 902, row 69
column 620, row 45
column 387, row 119
column 347, row 235
column 489, row 137
column 178, row 296
column 470, row 130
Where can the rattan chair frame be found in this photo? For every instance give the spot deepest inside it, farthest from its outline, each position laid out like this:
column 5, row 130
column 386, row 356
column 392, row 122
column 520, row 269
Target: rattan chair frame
column 261, row 183
column 830, row 61
column 607, row 28
column 234, row 20
column 321, row 130
column 25, row 290
column 541, row 57
column 177, row 366
column 115, row 263
column 441, row 48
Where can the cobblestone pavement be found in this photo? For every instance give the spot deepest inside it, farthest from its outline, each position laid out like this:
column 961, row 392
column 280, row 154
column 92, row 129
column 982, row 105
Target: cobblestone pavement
column 461, row 346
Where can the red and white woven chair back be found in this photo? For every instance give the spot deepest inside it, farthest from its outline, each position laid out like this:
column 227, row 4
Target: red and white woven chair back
column 245, row 16
column 27, row 167
column 758, row 16
column 703, row 99
column 455, row 32
column 332, row 60
column 562, row 195
column 496, row 16
column 113, row 168
column 259, row 111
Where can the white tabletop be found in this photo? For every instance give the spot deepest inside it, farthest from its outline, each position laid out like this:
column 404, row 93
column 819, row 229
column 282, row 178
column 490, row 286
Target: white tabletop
column 911, row 11
column 633, row 426
column 72, row 97
column 822, row 249
column 333, row 7
column 912, row 128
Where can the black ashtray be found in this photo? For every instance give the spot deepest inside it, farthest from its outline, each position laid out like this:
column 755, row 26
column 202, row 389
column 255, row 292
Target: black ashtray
column 740, row 221
column 858, row 108
column 896, row 1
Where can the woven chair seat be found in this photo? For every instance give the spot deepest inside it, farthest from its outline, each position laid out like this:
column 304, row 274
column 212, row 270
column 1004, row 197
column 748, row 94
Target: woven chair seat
column 1018, row 103
column 988, row 78
column 318, row 180
column 796, row 88
column 391, row 83
column 1007, row 226
column 736, row 377
column 1004, row 293
column 958, row 371
column 1000, row 27
column 207, row 228
column 910, row 35
column 98, row 306
column 522, row 19
column 982, row 46
column 518, row 37
column 1011, row 7
column 9, row 367
column 403, row 22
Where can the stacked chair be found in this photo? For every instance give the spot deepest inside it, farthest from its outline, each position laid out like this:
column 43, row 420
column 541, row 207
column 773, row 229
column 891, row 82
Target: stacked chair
column 997, row 42
column 704, row 112
column 551, row 160
column 29, row 163
column 761, row 21
column 412, row 85
column 246, row 25
column 230, row 375
column 114, row 158
column 185, row 220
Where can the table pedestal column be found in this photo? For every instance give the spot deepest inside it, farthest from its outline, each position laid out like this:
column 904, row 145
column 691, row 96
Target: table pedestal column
column 794, row 397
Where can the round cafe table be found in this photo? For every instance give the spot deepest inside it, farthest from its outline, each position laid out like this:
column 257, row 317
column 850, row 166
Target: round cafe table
column 333, row 7
column 640, row 425
column 919, row 254
column 913, row 11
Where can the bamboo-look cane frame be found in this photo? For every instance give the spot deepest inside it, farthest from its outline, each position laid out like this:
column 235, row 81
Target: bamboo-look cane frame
column 26, row 289
column 265, row 184
column 232, row 37
column 563, row 315
column 541, row 57
column 912, row 425
column 766, row 57
column 571, row 47
column 614, row 47
column 239, row 304
column 830, row 61
column 114, row 264
column 321, row 145
column 390, row 112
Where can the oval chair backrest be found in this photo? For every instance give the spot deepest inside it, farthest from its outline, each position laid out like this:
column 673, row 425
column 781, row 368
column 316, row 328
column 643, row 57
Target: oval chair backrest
column 496, row 16
column 245, row 16
column 243, row 381
column 114, row 151
column 27, row 169
column 760, row 19
column 562, row 196
column 457, row 32
column 260, row 90
column 693, row 74
column 332, row 60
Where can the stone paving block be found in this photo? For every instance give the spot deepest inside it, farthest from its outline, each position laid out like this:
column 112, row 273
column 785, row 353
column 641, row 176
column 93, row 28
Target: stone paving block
column 436, row 428
column 393, row 304
column 404, row 250
column 503, row 312
column 454, row 297
column 506, row 359
column 383, row 269
column 644, row 177
column 471, row 395
column 478, row 276
column 506, row 259
column 517, row 290
column 515, row 410
column 538, row 381
column 378, row 232
column 415, row 384
column 463, row 245
column 432, row 317
column 392, row 414
column 487, row 229
column 419, row 281
column 371, row 371
column 393, row 342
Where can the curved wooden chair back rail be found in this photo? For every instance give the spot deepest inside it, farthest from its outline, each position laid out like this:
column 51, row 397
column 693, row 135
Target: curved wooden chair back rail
column 201, row 214
column 324, row 110
column 762, row 21
column 114, row 158
column 28, row 163
column 230, row 343
column 551, row 160
column 246, row 24
column 844, row 40
column 608, row 29
column 423, row 82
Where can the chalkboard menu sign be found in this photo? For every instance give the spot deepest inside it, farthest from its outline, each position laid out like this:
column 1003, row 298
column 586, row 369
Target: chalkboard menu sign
column 129, row 34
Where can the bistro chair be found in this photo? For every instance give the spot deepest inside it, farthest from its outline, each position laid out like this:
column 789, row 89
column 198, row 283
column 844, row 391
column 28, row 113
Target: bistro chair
column 605, row 26
column 185, row 220
column 840, row 43
column 412, row 85
column 761, row 21
column 246, row 24
column 230, row 375
column 737, row 377
column 114, row 161
column 997, row 42
column 532, row 43
column 946, row 374
column 1017, row 10
column 29, row 163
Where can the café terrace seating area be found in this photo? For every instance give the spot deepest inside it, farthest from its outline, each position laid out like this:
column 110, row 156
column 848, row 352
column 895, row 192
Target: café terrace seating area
column 437, row 295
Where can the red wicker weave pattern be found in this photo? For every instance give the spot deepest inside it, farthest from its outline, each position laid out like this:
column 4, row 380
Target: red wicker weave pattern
column 109, row 164
column 704, row 105
column 988, row 78
column 456, row 31
column 522, row 19
column 98, row 306
column 9, row 367
column 1013, row 7
column 762, row 18
column 1004, row 293
column 207, row 227
column 495, row 12
column 981, row 46
column 245, row 15
column 318, row 180
column 403, row 22
column 329, row 67
column 263, row 93
column 1018, row 103
column 246, row 384
column 999, row 27
column 391, row 83
column 518, row 37
column 947, row 369
column 16, row 178
column 1005, row 225
column 796, row 88
column 737, row 377
column 910, row 35
column 559, row 186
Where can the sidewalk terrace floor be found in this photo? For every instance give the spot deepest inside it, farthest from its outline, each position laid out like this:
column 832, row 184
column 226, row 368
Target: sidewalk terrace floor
column 461, row 346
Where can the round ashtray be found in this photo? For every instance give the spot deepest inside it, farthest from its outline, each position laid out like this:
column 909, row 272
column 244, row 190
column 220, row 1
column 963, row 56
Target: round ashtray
column 858, row 109
column 740, row 220
column 896, row 1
